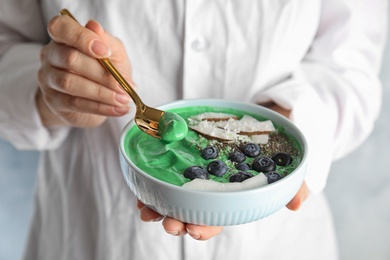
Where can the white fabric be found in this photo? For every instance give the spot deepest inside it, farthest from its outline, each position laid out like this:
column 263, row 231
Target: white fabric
column 318, row 58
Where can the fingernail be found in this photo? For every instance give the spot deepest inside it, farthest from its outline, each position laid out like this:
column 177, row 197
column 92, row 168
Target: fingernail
column 172, row 232
column 156, row 219
column 121, row 110
column 193, row 234
column 122, row 98
column 100, row 49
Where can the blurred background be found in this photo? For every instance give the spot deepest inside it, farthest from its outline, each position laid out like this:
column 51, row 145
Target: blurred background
column 358, row 190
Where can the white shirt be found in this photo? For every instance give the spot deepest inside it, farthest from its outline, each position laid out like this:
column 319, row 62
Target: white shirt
column 318, row 58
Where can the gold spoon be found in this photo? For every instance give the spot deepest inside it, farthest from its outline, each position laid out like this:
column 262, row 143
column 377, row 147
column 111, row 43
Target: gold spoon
column 152, row 121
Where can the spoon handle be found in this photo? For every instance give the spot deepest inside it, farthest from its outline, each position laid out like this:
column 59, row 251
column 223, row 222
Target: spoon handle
column 121, row 80
column 114, row 72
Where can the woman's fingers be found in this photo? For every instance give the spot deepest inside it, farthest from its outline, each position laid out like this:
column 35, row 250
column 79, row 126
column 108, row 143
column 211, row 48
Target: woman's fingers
column 303, row 191
column 299, row 198
column 66, row 92
column 174, row 227
column 148, row 215
column 64, row 103
column 177, row 228
column 70, row 59
column 75, row 85
column 65, row 30
column 203, row 232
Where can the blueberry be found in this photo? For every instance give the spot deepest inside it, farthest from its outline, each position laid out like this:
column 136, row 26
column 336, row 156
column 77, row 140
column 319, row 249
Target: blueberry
column 217, row 168
column 282, row 159
column 251, row 150
column 263, row 164
column 272, row 177
column 242, row 166
column 240, row 176
column 209, row 152
column 196, row 172
column 237, row 156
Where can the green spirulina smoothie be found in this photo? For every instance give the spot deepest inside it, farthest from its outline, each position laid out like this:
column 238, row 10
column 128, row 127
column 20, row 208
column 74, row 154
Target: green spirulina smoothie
column 168, row 160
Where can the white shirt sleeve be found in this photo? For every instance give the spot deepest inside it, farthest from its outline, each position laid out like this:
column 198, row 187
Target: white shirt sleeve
column 335, row 94
column 22, row 34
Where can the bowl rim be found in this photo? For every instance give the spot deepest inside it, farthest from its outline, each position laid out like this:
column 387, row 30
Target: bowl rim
column 220, row 102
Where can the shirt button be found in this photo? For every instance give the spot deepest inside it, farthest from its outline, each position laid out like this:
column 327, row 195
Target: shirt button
column 198, row 45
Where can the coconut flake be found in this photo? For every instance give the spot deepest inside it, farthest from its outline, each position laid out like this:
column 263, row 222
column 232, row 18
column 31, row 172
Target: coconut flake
column 259, row 139
column 208, row 130
column 230, row 128
column 213, row 116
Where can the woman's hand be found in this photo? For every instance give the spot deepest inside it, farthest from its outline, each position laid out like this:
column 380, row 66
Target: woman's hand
column 303, row 192
column 74, row 88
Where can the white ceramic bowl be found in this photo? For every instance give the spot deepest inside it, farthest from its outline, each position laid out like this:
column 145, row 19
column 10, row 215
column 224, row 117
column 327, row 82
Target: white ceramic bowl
column 210, row 207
